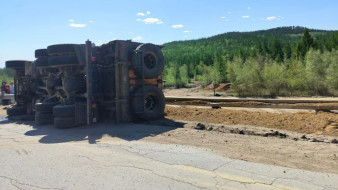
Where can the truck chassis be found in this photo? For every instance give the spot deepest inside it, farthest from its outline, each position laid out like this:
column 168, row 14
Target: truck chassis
column 77, row 84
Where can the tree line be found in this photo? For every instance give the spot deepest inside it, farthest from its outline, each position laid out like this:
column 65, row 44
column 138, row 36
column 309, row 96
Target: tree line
column 6, row 75
column 280, row 61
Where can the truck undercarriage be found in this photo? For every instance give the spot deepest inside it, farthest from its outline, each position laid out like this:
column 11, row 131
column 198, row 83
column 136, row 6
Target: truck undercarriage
column 76, row 84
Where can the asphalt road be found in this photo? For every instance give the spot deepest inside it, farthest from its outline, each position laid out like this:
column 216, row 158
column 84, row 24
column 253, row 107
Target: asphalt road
column 103, row 157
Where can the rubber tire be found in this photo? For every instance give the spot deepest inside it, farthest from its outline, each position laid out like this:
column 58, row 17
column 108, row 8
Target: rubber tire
column 158, row 68
column 5, row 102
column 158, row 111
column 16, row 110
column 41, row 62
column 63, row 60
column 43, row 118
column 45, row 107
column 15, row 64
column 61, row 49
column 64, row 110
column 40, row 53
column 64, row 122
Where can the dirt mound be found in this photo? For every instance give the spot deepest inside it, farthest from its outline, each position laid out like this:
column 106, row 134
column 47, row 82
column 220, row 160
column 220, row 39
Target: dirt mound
column 218, row 87
column 308, row 123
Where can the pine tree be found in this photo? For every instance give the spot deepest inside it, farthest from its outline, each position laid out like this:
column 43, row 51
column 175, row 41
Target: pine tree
column 277, row 51
column 307, row 39
column 306, row 43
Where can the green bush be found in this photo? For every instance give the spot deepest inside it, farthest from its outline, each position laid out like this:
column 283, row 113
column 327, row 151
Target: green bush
column 275, row 77
column 296, row 78
column 331, row 79
column 176, row 76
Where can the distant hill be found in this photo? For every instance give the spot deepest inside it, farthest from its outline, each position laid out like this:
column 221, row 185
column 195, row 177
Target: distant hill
column 243, row 44
column 279, row 61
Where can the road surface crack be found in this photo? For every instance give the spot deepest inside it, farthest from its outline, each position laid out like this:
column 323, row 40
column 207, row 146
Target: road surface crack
column 14, row 182
column 80, row 156
column 157, row 174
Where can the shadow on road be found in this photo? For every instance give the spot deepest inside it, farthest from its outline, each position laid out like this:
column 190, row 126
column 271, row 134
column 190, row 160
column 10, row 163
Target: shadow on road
column 95, row 132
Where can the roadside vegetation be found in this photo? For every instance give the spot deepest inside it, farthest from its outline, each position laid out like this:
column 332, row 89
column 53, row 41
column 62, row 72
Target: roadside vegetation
column 287, row 61
column 6, row 75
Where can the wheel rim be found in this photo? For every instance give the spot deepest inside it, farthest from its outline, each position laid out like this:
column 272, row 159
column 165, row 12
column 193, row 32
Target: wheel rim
column 150, row 102
column 150, row 61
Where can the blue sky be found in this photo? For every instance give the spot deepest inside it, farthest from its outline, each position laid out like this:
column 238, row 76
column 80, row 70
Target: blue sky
column 26, row 25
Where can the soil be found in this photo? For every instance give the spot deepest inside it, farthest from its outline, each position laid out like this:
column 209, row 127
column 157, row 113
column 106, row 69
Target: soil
column 272, row 150
column 303, row 122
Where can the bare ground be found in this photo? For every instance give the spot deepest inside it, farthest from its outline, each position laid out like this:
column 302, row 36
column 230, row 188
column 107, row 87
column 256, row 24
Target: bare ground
column 319, row 157
column 302, row 122
column 248, row 135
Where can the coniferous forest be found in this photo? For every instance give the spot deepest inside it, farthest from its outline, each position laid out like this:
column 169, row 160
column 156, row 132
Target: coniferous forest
column 285, row 61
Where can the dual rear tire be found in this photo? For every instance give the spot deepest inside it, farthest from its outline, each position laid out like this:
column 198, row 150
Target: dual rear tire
column 62, row 55
column 64, row 116
column 44, row 113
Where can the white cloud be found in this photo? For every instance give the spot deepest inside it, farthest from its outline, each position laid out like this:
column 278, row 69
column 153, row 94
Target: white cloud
column 71, row 20
column 91, row 21
column 249, row 8
column 271, row 18
column 186, row 31
column 148, row 12
column 141, row 14
column 229, row 12
column 138, row 38
column 223, row 17
column 245, row 17
column 177, row 26
column 152, row 21
column 77, row 25
column 138, row 19
column 114, row 38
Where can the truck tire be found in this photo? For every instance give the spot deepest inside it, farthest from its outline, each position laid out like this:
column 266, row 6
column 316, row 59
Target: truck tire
column 43, row 118
column 153, row 102
column 15, row 64
column 46, row 107
column 16, row 110
column 40, row 53
column 41, row 62
column 64, row 110
column 61, row 49
column 63, row 60
column 153, row 61
column 64, row 122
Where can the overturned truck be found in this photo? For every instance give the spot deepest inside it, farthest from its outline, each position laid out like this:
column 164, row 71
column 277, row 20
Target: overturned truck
column 76, row 84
